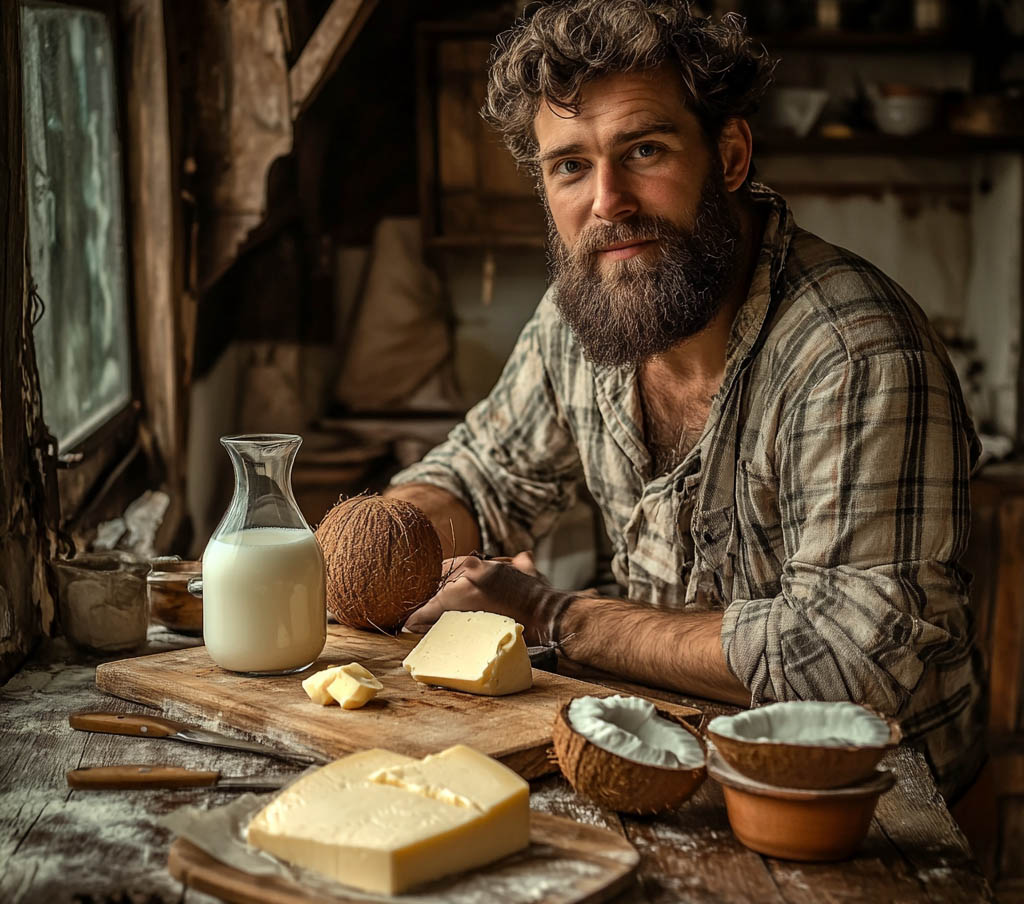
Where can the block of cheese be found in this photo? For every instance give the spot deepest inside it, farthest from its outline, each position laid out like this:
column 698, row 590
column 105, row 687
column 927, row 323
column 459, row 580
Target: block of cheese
column 385, row 822
column 354, row 686
column 478, row 652
column 316, row 685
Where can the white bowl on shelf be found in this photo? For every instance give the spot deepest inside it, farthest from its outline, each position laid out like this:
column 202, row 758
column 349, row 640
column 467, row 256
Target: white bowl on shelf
column 904, row 114
column 796, row 110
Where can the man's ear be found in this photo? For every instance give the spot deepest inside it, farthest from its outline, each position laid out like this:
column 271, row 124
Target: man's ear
column 735, row 148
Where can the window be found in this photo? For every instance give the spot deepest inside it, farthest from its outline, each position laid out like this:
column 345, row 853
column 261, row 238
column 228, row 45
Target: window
column 75, row 214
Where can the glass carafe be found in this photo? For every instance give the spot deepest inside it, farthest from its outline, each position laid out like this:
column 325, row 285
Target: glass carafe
column 264, row 603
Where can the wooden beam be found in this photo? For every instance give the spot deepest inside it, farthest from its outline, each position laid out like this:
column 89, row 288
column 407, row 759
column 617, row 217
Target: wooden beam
column 156, row 239
column 29, row 507
column 239, row 119
column 325, row 49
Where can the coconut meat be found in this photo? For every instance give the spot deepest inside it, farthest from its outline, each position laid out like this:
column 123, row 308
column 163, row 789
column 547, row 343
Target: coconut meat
column 806, row 722
column 631, row 728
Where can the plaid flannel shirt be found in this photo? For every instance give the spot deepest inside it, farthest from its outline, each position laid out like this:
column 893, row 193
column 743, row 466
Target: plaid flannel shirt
column 824, row 509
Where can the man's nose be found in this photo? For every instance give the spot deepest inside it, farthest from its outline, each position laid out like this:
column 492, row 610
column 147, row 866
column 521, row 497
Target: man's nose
column 613, row 200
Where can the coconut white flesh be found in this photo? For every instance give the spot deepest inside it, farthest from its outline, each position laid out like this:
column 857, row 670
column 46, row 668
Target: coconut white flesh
column 805, row 722
column 630, row 728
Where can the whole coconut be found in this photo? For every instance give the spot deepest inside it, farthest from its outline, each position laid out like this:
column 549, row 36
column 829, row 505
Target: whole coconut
column 383, row 559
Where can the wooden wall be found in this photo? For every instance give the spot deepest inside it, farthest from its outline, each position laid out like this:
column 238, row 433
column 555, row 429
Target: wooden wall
column 992, row 815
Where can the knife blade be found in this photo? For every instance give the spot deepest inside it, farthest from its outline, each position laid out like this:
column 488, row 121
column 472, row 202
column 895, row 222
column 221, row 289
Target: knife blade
column 144, row 726
column 543, row 658
column 144, row 777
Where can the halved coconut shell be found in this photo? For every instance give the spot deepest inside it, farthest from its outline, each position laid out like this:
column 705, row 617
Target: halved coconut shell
column 804, row 764
column 620, row 784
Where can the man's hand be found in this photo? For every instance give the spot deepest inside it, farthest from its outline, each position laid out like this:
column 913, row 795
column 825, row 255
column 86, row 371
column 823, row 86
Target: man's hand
column 681, row 651
column 511, row 587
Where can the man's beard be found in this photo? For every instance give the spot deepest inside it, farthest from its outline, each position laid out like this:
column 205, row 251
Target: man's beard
column 639, row 308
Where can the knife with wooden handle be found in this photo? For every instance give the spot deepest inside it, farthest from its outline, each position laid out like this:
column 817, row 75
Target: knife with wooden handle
column 124, row 724
column 142, row 777
column 141, row 725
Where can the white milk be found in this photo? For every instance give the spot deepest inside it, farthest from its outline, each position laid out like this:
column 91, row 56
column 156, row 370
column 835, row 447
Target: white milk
column 264, row 603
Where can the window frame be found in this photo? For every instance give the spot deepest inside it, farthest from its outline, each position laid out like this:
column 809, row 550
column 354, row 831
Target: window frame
column 97, row 476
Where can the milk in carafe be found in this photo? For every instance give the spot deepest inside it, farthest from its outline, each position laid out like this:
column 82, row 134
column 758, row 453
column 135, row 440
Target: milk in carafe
column 264, row 599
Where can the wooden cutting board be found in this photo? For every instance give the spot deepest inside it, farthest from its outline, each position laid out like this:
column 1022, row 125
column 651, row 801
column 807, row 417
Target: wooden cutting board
column 566, row 863
column 407, row 717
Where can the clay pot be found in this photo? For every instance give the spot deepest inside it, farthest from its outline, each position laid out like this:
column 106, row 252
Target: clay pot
column 798, row 823
column 170, row 602
column 102, row 600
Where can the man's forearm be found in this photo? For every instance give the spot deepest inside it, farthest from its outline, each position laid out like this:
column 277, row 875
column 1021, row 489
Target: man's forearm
column 679, row 651
column 454, row 522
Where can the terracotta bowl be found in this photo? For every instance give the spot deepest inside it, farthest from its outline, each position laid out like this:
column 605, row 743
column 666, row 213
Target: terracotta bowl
column 796, row 823
column 170, row 603
column 757, row 746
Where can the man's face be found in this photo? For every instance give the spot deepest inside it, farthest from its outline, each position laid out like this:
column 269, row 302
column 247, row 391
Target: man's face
column 643, row 239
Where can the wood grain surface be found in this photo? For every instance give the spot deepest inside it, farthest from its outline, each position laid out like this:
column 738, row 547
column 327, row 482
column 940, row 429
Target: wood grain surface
column 407, row 717
column 602, row 861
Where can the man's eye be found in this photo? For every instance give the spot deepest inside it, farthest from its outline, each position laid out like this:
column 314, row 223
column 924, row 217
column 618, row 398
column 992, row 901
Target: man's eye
column 644, row 150
column 568, row 168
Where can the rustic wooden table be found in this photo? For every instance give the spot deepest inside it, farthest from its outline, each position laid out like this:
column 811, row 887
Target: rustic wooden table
column 58, row 845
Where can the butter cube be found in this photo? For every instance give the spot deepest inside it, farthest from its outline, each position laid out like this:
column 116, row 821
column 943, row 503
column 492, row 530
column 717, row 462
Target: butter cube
column 477, row 652
column 385, row 822
column 354, row 686
column 316, row 685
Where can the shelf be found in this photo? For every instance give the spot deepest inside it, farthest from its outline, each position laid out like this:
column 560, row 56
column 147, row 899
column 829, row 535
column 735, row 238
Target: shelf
column 392, row 426
column 948, row 41
column 868, row 42
column 931, row 144
column 499, row 240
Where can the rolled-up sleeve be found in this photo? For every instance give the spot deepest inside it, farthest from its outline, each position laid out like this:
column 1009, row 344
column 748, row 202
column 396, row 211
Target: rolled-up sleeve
column 513, row 461
column 873, row 466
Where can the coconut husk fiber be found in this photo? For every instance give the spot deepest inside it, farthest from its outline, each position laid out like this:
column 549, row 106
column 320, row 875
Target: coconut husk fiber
column 620, row 784
column 805, row 765
column 383, row 560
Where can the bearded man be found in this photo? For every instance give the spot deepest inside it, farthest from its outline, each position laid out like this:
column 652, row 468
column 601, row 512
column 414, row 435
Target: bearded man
column 771, row 429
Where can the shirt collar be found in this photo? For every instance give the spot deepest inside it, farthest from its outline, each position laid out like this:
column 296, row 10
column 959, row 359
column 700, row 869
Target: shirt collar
column 754, row 312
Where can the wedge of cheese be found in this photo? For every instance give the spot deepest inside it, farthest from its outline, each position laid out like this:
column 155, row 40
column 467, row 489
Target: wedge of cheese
column 478, row 652
column 385, row 822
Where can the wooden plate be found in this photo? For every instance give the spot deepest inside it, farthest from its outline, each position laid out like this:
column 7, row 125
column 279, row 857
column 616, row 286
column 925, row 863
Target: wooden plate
column 566, row 863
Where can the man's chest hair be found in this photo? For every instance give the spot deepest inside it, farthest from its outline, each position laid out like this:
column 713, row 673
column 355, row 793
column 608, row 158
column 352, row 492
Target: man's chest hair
column 675, row 414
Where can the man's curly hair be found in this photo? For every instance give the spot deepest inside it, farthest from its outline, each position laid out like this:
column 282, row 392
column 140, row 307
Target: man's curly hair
column 557, row 48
